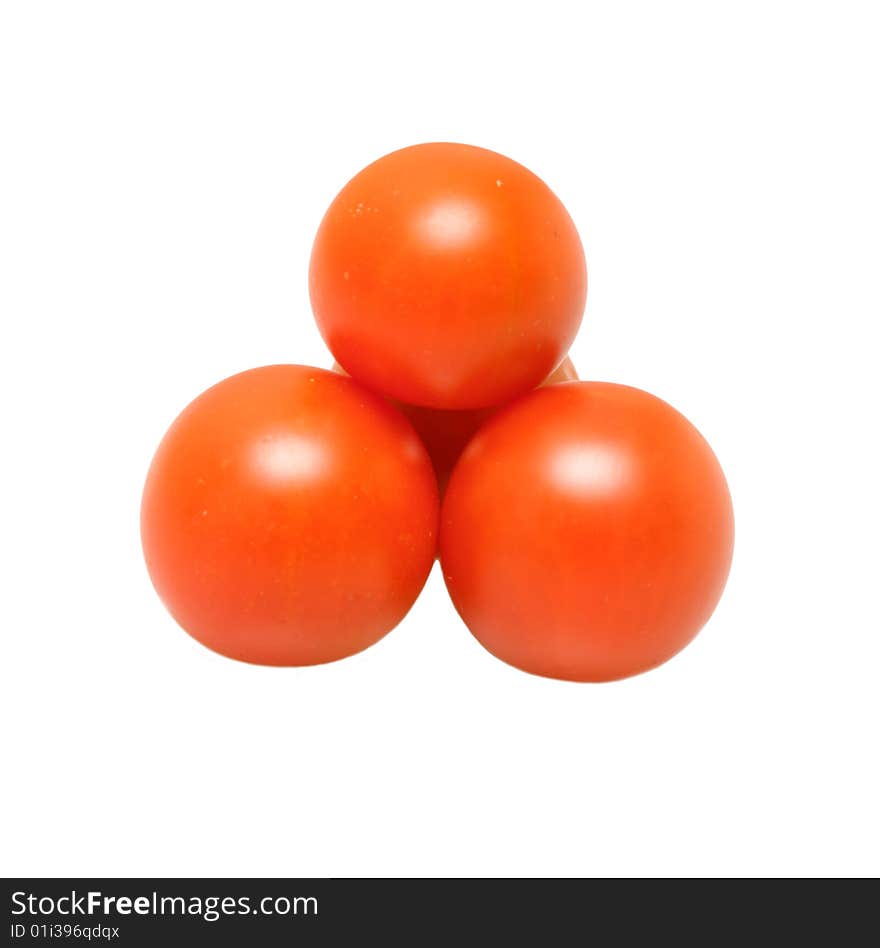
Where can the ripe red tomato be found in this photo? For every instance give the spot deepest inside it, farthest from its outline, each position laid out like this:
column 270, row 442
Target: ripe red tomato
column 446, row 433
column 587, row 532
column 448, row 276
column 289, row 517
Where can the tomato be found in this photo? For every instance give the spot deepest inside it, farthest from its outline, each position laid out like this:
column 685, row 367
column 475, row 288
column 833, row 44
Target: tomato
column 289, row 517
column 587, row 532
column 448, row 276
column 446, row 433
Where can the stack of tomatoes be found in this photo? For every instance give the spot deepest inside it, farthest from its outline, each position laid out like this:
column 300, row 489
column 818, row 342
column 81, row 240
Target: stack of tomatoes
column 291, row 514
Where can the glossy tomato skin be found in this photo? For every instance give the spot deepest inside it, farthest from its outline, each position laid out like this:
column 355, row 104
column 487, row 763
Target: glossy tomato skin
column 587, row 532
column 448, row 276
column 289, row 517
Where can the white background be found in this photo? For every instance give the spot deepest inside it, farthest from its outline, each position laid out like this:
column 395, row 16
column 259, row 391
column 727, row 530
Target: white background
column 162, row 172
